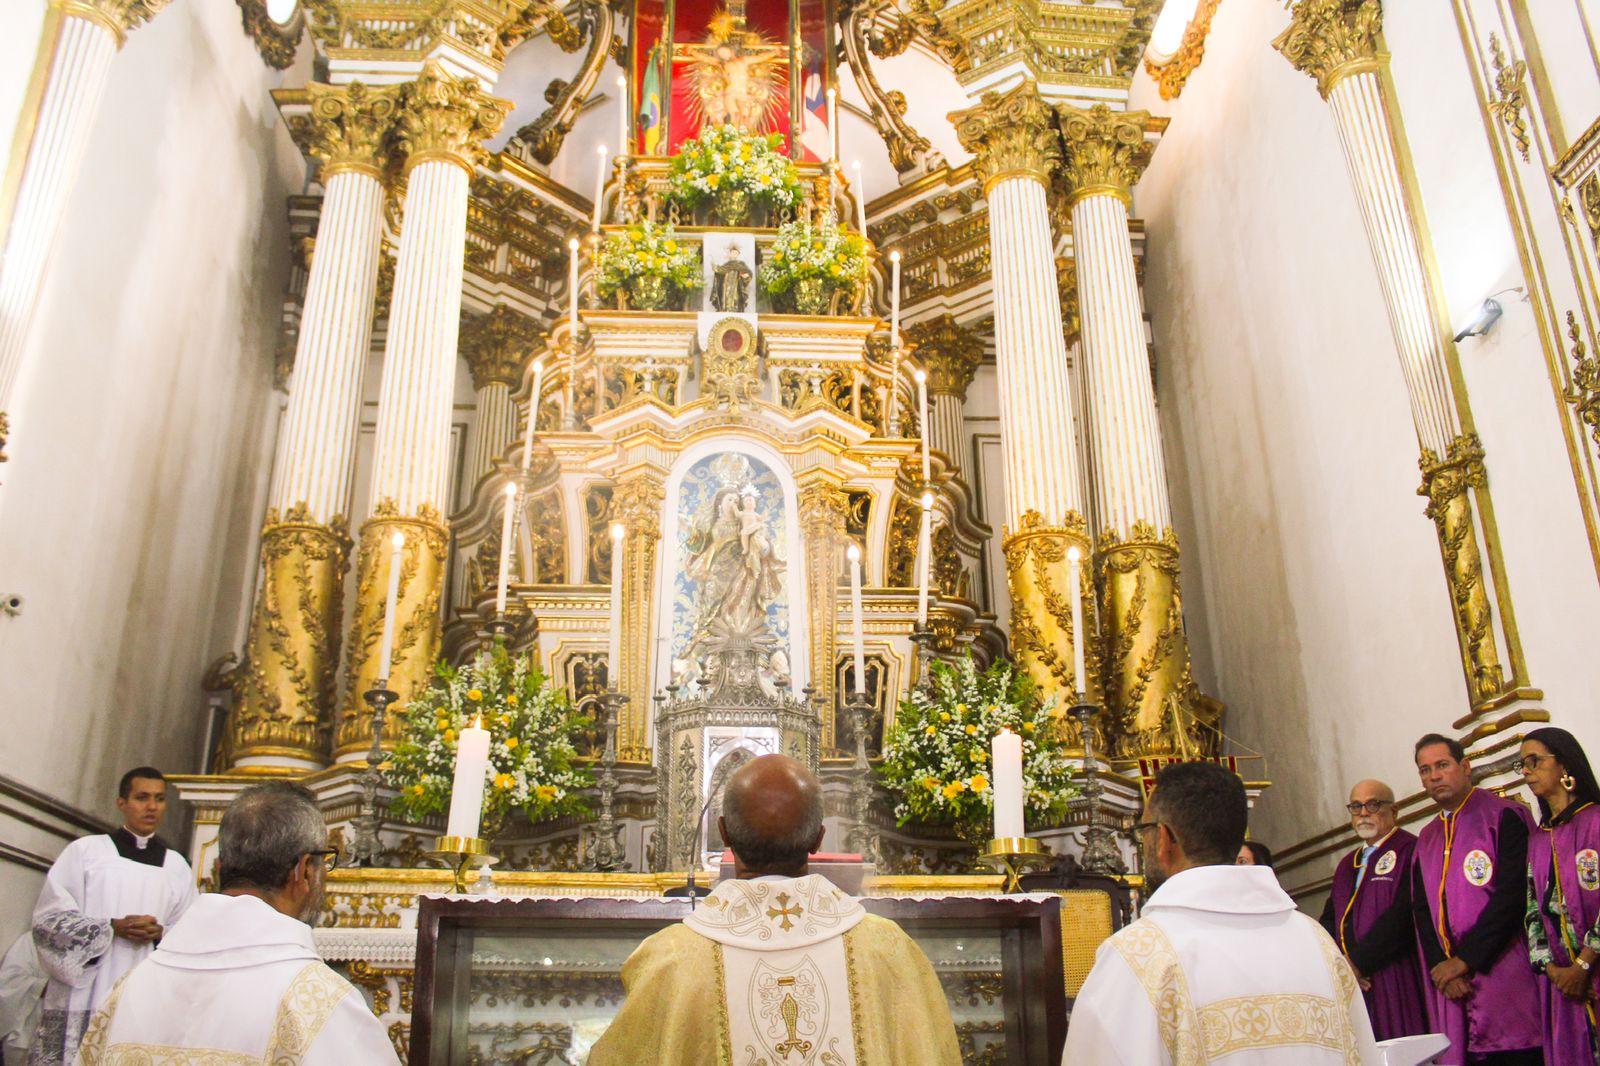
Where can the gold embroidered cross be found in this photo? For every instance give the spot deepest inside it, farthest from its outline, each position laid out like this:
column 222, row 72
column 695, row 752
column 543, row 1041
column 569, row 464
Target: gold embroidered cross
column 784, row 911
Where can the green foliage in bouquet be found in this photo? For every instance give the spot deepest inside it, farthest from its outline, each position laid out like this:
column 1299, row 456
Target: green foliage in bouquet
column 531, row 726
column 936, row 758
column 646, row 250
column 803, row 250
column 725, row 158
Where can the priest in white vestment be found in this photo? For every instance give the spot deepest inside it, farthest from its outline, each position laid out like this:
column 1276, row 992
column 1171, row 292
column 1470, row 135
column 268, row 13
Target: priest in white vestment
column 777, row 965
column 1220, row 966
column 238, row 980
column 105, row 903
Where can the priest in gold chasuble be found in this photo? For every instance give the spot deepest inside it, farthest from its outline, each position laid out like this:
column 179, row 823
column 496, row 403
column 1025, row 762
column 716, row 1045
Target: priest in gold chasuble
column 779, row 966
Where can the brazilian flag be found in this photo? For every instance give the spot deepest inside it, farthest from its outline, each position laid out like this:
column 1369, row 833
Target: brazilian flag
column 650, row 103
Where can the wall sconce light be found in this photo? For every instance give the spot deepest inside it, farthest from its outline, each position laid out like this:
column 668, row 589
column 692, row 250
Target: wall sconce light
column 1482, row 322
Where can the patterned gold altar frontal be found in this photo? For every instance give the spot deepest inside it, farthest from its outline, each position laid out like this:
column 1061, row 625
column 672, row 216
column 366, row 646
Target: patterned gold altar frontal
column 1086, row 923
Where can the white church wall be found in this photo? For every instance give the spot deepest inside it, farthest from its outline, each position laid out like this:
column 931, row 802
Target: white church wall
column 1315, row 594
column 128, row 506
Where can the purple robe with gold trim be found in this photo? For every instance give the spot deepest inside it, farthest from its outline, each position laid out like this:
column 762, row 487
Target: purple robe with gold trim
column 1467, row 863
column 1373, row 925
column 1576, row 842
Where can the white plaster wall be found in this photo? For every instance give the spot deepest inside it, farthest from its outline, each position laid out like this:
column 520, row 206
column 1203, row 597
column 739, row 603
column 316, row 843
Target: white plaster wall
column 128, row 511
column 1315, row 597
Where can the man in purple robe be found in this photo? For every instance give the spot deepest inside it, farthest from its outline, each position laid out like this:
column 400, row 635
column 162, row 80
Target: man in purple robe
column 1468, row 894
column 1369, row 914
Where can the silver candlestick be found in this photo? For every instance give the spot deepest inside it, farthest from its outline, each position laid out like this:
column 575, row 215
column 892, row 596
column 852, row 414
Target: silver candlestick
column 922, row 637
column 861, row 838
column 367, row 846
column 1100, row 852
column 608, row 854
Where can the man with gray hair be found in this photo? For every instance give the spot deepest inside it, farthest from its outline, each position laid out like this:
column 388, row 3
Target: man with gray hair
column 778, row 961
column 238, row 978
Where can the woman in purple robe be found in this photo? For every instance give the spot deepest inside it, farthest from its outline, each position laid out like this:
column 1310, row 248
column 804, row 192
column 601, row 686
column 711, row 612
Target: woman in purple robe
column 1563, row 915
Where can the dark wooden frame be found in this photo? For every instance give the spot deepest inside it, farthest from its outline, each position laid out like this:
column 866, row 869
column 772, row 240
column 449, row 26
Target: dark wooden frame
column 1036, row 1018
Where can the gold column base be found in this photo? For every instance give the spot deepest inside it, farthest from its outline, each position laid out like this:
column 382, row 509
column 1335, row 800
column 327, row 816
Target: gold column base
column 1013, row 857
column 463, row 854
column 1153, row 699
column 416, row 631
column 1037, row 574
column 286, row 686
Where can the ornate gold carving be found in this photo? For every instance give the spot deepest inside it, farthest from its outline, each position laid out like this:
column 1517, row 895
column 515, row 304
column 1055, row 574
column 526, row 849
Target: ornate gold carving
column 1509, row 100
column 286, row 687
column 946, row 574
column 350, row 126
column 1447, row 483
column 545, row 134
column 1041, row 601
column 384, row 295
column 728, row 366
column 636, row 502
column 1171, row 75
column 416, row 631
column 949, row 352
column 824, row 515
column 1085, row 45
column 1152, row 698
column 1067, row 288
column 118, row 17
column 1330, row 39
column 887, row 108
column 448, row 118
column 1583, row 395
column 5, row 432
column 900, row 556
column 1106, row 151
column 277, row 42
column 1011, row 135
column 497, row 345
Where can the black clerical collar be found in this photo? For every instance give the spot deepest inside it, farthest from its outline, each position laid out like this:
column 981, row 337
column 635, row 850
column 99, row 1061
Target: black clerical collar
column 154, row 853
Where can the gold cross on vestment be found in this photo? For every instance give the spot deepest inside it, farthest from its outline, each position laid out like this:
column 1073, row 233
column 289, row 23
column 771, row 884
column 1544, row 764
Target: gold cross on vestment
column 784, row 911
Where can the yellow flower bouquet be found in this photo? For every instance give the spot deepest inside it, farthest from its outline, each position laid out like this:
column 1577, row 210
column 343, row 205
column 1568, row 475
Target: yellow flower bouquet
column 531, row 726
column 936, row 757
column 650, row 263
column 813, row 261
column 735, row 170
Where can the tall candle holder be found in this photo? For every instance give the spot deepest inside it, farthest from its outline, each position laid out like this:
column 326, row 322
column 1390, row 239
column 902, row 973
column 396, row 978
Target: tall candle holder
column 462, row 855
column 1100, row 852
column 608, row 854
column 862, row 838
column 367, row 847
column 922, row 637
column 1013, row 857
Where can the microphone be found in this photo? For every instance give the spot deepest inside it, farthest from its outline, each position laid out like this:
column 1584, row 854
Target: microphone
column 690, row 889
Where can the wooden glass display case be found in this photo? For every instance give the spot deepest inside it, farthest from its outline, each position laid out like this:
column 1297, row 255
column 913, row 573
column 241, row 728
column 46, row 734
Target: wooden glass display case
column 536, row 981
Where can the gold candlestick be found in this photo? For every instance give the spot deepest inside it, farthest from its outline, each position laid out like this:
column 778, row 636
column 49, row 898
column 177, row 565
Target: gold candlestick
column 463, row 854
column 1015, row 856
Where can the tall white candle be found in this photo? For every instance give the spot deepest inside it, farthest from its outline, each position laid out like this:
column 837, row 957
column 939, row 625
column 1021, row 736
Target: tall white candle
column 599, row 189
column 533, row 414
column 466, row 790
column 386, row 653
column 833, row 125
column 572, row 290
column 505, row 550
column 894, row 300
column 894, row 390
column 1005, row 751
column 614, row 652
column 922, row 415
column 624, row 142
column 861, row 197
column 924, row 551
column 1078, row 635
column 855, row 610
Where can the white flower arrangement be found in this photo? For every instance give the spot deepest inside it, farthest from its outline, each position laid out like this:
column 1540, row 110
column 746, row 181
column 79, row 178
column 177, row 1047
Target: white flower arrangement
column 725, row 158
column 803, row 250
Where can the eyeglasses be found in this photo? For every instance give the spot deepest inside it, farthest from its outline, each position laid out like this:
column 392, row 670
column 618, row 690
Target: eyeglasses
column 330, row 858
column 1529, row 762
column 1369, row 807
column 1140, row 827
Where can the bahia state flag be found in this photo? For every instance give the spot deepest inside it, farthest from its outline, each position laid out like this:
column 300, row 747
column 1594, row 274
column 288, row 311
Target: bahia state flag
column 650, row 103
column 814, row 131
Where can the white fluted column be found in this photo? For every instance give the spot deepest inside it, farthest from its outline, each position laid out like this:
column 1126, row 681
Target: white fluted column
column 87, row 36
column 442, row 126
column 1338, row 44
column 286, row 701
column 1014, row 141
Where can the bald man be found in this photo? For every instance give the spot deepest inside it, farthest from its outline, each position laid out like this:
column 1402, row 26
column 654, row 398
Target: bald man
column 778, row 962
column 1369, row 914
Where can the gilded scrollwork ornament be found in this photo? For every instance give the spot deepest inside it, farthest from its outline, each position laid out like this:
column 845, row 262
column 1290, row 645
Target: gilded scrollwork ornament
column 566, row 96
column 117, row 17
column 448, row 118
column 350, row 127
column 1172, row 74
column 1038, row 577
column 1106, row 151
column 497, row 344
column 1583, row 395
column 1510, row 98
column 1329, row 39
column 277, row 42
column 1011, row 135
column 949, row 352
column 636, row 502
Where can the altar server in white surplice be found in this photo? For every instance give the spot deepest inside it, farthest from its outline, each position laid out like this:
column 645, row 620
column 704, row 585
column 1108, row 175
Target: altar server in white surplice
column 106, row 901
column 239, row 979
column 1220, row 967
column 777, row 965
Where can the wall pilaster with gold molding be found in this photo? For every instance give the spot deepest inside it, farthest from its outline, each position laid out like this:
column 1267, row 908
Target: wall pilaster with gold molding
column 824, row 509
column 288, row 691
column 496, row 346
column 1339, row 43
column 86, row 35
column 441, row 127
column 637, row 502
column 950, row 354
column 1016, row 148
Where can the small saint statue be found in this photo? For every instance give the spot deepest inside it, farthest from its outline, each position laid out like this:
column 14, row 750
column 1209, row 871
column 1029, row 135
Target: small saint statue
column 731, row 291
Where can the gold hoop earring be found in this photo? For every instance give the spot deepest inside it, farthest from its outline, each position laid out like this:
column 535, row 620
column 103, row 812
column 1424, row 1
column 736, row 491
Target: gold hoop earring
column 1568, row 782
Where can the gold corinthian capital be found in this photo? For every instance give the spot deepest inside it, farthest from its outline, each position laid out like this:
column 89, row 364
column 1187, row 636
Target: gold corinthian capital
column 1447, row 484
column 1011, row 135
column 448, row 118
column 286, row 688
column 350, row 127
column 117, row 17
column 496, row 345
column 1106, row 151
column 1330, row 39
column 949, row 352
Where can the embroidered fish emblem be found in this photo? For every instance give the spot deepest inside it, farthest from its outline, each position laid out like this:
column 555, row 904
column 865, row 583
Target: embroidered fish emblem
column 1385, row 864
column 1477, row 867
column 1589, row 870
